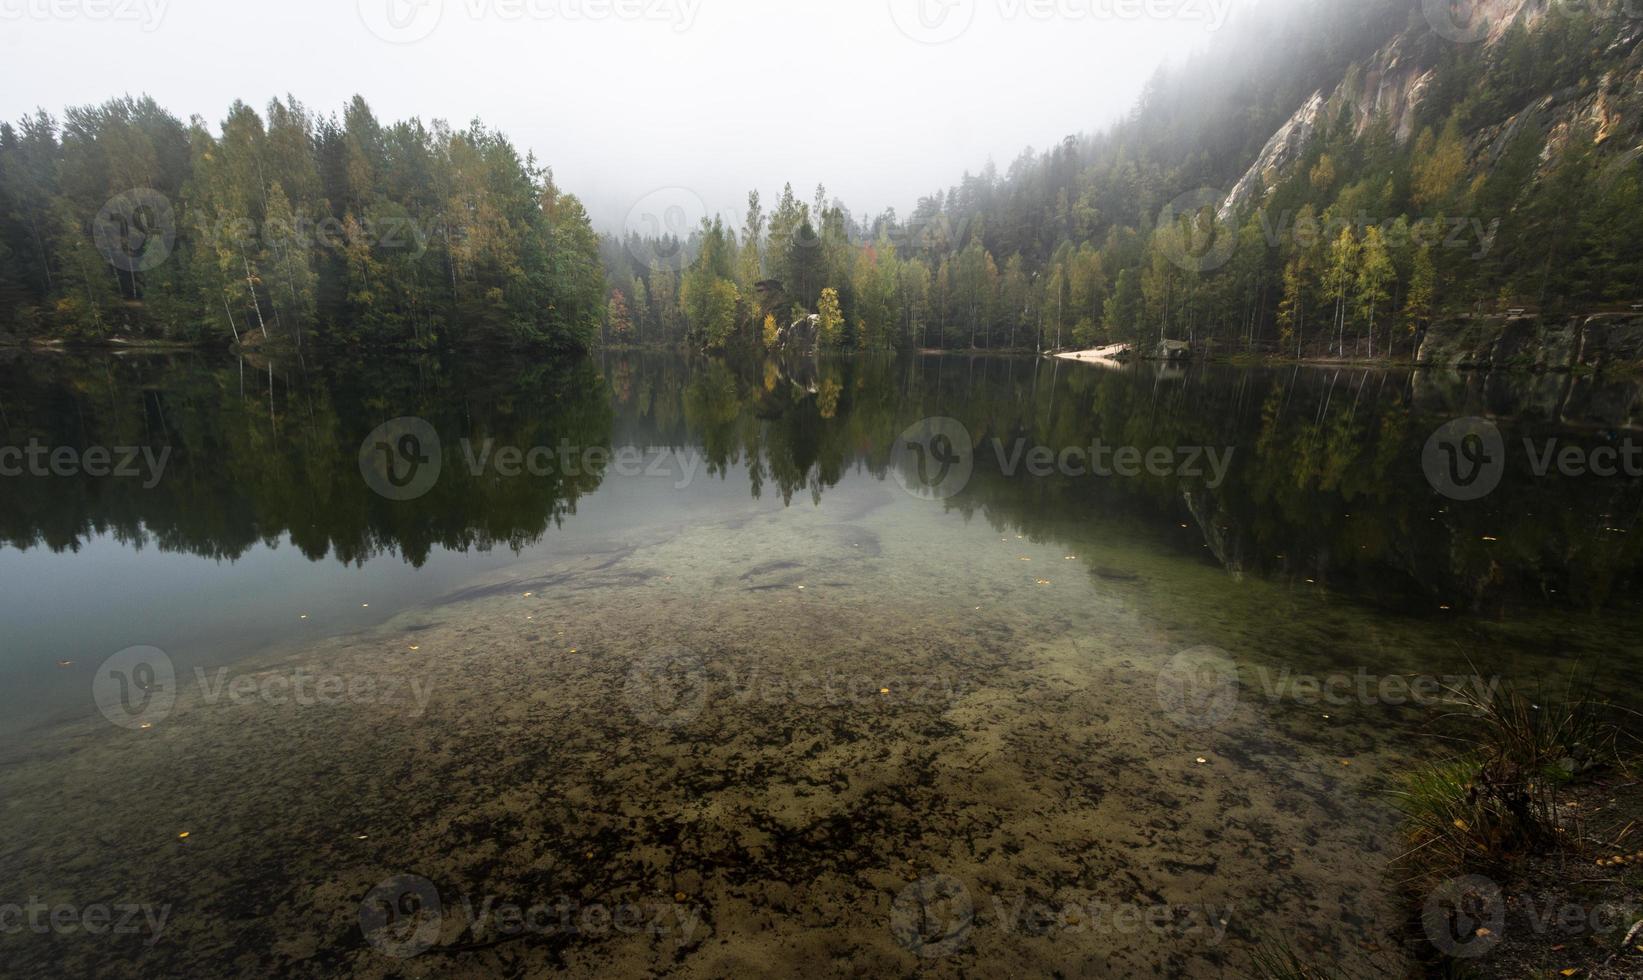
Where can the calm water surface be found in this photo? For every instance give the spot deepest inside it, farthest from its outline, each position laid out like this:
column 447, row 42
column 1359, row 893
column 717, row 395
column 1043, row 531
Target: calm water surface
column 727, row 654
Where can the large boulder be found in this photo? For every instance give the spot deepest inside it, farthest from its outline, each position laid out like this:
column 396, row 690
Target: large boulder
column 801, row 336
column 1608, row 339
column 1173, row 350
column 1527, row 342
column 1534, row 343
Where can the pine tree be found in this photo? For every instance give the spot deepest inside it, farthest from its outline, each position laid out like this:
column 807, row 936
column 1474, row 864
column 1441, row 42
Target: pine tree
column 1375, row 271
column 1423, row 284
column 1343, row 260
column 1292, row 308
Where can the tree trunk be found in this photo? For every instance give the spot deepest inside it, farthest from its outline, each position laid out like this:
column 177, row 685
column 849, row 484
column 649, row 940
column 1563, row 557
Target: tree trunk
column 251, row 287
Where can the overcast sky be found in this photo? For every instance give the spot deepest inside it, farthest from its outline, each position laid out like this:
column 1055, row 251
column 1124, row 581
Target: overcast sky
column 634, row 100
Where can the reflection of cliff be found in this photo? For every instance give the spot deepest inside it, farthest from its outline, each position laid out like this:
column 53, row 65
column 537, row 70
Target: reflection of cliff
column 1579, row 402
column 1575, row 372
column 1328, row 490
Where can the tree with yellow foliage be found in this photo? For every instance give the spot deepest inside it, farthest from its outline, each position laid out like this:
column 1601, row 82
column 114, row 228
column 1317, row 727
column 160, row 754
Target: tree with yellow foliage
column 831, row 327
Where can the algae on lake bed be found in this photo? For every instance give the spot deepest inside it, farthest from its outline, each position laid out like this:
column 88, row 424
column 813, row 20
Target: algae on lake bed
column 783, row 716
column 805, row 765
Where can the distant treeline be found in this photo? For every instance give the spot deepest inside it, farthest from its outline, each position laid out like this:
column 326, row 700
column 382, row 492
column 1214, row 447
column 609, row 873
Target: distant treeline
column 1501, row 191
column 119, row 219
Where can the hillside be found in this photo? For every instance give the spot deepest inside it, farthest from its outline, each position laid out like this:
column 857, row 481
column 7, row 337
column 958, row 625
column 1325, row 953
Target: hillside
column 1328, row 179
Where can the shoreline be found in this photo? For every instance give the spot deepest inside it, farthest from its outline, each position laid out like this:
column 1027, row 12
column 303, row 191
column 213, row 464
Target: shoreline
column 1621, row 369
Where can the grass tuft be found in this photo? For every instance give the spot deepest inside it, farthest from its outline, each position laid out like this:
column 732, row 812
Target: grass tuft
column 1501, row 794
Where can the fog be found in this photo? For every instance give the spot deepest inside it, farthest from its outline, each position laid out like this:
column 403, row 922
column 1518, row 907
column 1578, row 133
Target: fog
column 696, row 100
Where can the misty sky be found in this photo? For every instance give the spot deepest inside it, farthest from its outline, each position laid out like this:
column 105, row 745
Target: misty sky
column 634, row 100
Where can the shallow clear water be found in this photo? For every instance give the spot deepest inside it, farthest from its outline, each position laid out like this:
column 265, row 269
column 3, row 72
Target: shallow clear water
column 752, row 653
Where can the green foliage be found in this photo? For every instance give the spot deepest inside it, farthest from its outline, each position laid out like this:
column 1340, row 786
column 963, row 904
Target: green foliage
column 1368, row 235
column 708, row 295
column 291, row 227
column 1502, row 795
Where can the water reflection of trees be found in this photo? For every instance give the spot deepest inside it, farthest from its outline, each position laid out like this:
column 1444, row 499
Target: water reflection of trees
column 1326, row 484
column 263, row 453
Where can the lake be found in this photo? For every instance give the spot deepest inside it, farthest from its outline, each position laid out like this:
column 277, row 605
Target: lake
column 967, row 665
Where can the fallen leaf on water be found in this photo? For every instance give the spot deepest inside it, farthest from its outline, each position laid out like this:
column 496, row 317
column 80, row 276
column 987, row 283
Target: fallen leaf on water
column 884, row 690
column 183, row 835
column 415, row 647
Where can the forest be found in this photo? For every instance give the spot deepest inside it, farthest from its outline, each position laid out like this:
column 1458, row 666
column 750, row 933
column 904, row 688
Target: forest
column 288, row 228
column 1489, row 193
column 1505, row 177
